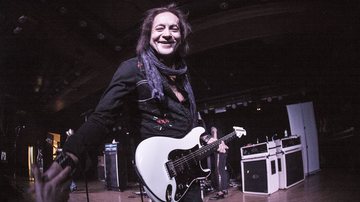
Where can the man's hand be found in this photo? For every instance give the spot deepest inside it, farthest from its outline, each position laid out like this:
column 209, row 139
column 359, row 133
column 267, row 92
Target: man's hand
column 53, row 185
column 222, row 147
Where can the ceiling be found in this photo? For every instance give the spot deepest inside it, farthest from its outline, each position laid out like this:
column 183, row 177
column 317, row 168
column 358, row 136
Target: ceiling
column 57, row 56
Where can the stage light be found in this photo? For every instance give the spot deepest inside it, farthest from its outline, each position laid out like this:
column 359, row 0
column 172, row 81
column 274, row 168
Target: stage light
column 22, row 19
column 100, row 36
column 220, row 110
column 117, row 48
column 224, row 5
column 258, row 107
column 83, row 23
column 26, row 19
column 39, row 80
column 17, row 30
column 63, row 10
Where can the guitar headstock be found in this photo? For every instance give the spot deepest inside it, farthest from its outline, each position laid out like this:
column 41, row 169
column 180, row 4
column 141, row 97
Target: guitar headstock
column 239, row 131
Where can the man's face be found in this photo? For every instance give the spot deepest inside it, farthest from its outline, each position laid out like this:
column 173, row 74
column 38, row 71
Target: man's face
column 165, row 34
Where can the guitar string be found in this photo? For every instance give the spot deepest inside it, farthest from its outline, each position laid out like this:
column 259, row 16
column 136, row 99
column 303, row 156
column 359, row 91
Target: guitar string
column 191, row 156
column 206, row 148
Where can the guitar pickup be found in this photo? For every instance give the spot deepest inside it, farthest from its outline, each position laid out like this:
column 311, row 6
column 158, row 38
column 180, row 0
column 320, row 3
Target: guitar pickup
column 171, row 169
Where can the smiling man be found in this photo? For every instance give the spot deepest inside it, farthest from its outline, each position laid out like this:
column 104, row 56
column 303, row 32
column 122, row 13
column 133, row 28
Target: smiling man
column 154, row 88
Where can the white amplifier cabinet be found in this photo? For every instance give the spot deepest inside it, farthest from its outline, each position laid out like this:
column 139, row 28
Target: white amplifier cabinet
column 290, row 162
column 288, row 144
column 258, row 150
column 259, row 169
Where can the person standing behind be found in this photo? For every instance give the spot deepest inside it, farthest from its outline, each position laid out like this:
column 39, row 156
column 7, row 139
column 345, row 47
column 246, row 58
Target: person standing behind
column 219, row 175
column 155, row 89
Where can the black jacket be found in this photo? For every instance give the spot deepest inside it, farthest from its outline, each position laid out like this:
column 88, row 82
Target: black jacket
column 129, row 92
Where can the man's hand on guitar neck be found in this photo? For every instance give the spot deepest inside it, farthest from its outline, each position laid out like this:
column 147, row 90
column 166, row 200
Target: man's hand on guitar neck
column 222, row 147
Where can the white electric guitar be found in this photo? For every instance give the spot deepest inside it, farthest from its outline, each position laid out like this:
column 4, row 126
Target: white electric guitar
column 168, row 166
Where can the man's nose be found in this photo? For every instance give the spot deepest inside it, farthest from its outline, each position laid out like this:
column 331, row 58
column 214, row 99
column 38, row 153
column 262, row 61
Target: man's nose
column 167, row 34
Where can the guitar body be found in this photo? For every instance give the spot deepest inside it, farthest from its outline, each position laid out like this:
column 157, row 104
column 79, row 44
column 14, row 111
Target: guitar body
column 165, row 168
column 168, row 166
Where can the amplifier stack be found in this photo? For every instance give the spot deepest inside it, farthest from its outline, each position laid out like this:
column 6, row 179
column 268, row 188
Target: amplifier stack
column 289, row 154
column 259, row 168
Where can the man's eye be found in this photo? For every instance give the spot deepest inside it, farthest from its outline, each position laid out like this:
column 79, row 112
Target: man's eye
column 175, row 28
column 159, row 28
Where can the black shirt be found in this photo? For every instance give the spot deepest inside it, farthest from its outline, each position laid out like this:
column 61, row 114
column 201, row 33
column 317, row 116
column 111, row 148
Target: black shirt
column 129, row 91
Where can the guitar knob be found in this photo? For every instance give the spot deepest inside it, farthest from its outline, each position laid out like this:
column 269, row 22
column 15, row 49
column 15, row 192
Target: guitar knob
column 168, row 193
column 180, row 186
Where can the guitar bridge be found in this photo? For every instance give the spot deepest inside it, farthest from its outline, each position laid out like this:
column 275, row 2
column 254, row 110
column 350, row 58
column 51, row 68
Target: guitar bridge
column 171, row 169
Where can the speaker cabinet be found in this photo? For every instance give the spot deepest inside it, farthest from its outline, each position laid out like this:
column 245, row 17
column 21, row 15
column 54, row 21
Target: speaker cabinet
column 115, row 168
column 290, row 168
column 260, row 176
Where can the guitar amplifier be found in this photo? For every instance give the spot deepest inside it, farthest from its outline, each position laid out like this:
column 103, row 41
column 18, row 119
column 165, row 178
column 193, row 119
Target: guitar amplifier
column 291, row 170
column 258, row 150
column 288, row 144
column 115, row 168
column 260, row 175
column 259, row 168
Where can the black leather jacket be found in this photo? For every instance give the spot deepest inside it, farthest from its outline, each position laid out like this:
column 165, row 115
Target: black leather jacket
column 129, row 92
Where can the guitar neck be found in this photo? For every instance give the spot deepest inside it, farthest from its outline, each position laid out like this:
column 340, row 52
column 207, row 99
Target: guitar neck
column 207, row 150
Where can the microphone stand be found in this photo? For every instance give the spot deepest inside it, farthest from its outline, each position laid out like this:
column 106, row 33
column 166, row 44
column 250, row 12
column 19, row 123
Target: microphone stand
column 86, row 115
column 17, row 134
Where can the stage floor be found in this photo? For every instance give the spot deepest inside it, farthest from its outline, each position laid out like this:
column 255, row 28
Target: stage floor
column 328, row 185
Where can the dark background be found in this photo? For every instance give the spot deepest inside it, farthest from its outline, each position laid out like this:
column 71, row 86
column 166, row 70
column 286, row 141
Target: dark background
column 57, row 56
